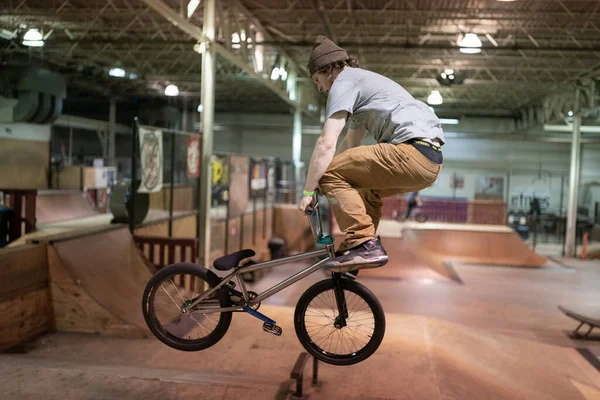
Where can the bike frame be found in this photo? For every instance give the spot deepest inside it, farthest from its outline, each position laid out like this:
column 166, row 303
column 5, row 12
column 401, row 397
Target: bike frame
column 314, row 215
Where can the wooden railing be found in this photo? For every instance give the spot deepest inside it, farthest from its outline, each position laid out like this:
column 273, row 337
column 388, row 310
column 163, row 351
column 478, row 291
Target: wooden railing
column 162, row 251
column 22, row 202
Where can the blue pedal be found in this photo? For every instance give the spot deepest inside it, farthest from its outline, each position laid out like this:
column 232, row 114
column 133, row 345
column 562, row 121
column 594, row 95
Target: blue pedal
column 258, row 315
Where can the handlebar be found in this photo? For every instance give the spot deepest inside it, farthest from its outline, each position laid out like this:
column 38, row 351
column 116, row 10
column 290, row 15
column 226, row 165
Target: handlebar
column 314, row 216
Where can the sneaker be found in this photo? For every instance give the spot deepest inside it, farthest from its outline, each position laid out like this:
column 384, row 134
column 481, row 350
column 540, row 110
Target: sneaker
column 369, row 254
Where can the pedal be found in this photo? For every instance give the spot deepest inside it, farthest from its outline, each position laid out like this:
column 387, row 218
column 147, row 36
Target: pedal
column 272, row 328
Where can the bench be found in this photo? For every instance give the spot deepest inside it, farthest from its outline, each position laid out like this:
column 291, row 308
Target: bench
column 584, row 320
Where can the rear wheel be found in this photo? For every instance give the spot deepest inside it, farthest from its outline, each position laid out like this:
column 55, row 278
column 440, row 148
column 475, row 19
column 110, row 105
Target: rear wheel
column 168, row 293
column 317, row 315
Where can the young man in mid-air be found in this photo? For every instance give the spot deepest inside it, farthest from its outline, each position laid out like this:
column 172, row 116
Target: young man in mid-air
column 406, row 158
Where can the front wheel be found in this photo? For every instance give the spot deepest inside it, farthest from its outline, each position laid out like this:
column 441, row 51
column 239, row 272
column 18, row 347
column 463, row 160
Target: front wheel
column 317, row 315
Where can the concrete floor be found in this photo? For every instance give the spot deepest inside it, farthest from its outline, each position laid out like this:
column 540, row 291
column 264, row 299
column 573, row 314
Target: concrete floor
column 498, row 335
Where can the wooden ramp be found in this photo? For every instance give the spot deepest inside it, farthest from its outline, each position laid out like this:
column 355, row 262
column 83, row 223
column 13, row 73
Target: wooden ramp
column 97, row 282
column 426, row 251
column 60, row 205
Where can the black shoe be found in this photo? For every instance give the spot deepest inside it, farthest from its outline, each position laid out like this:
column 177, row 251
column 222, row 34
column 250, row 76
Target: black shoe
column 369, row 254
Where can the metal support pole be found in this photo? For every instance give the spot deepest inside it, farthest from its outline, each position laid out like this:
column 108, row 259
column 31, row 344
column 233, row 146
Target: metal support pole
column 112, row 132
column 71, row 146
column 297, row 136
column 171, row 194
column 134, row 150
column 208, row 111
column 570, row 249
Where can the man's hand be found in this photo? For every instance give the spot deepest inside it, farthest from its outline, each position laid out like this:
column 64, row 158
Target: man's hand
column 305, row 202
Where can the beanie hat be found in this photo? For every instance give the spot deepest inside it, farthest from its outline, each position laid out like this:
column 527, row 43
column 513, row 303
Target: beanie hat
column 324, row 52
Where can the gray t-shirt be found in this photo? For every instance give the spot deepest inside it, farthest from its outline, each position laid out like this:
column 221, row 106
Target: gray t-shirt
column 382, row 106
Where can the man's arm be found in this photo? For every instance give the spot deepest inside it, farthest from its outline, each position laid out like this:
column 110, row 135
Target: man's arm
column 325, row 149
column 353, row 138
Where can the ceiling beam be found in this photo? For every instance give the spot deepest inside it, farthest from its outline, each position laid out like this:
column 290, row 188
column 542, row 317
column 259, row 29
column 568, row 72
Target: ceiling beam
column 194, row 31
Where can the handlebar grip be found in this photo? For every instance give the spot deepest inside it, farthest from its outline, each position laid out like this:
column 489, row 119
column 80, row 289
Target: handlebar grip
column 309, row 210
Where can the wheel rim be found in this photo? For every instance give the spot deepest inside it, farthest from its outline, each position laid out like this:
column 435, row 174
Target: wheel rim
column 172, row 295
column 347, row 342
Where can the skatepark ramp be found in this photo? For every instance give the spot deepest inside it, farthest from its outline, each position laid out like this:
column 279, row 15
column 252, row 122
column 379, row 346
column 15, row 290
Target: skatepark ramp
column 427, row 250
column 97, row 282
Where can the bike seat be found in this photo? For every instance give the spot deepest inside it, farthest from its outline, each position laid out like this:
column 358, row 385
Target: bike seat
column 232, row 260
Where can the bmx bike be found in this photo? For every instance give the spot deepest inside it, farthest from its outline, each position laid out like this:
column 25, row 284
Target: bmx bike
column 338, row 320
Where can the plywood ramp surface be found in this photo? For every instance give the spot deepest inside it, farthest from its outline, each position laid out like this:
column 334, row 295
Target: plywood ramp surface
column 497, row 248
column 97, row 282
column 59, row 206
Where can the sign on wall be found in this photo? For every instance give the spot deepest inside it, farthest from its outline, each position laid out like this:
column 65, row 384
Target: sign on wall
column 151, row 159
column 193, row 157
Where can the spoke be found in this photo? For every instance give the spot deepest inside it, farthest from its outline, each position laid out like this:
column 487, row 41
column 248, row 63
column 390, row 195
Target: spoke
column 175, row 286
column 169, row 294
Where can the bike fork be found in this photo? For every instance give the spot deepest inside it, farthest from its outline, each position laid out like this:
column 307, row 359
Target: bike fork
column 340, row 300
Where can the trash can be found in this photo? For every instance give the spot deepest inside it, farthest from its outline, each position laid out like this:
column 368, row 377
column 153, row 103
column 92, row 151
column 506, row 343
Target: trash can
column 5, row 217
column 278, row 248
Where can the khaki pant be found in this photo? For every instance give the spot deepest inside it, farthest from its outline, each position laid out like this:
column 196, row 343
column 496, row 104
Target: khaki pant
column 359, row 178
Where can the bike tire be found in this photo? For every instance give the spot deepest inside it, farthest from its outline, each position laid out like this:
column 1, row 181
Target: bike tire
column 155, row 326
column 350, row 286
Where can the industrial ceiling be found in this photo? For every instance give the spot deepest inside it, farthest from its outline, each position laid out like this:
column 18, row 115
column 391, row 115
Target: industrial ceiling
column 529, row 51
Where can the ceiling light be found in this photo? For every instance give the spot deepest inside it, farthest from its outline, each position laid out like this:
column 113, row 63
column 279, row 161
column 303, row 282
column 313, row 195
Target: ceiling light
column 443, row 74
column 117, row 72
column 470, row 50
column 435, row 98
column 200, row 48
column 449, row 71
column 570, row 113
column 451, row 77
column 171, row 90
column 235, row 37
column 6, row 34
column 470, row 40
column 283, row 74
column 449, row 121
column 275, row 74
column 33, row 38
column 200, row 108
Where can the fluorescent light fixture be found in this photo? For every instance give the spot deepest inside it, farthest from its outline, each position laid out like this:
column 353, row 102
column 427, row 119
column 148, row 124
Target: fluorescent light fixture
column 570, row 113
column 275, row 74
column 33, row 38
column 450, row 77
column 192, row 6
column 6, row 34
column 312, row 108
column 171, row 90
column 449, row 121
column 200, row 107
column 117, row 72
column 435, row 98
column 235, row 37
column 448, row 71
column 444, row 76
column 243, row 35
column 470, row 40
column 282, row 74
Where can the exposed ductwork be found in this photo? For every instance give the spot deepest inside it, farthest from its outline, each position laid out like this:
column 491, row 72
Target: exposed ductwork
column 40, row 95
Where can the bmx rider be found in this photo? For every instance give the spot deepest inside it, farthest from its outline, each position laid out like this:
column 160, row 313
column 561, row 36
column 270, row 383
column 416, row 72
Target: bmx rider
column 406, row 158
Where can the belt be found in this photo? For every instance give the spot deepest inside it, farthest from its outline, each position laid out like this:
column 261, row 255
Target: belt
column 424, row 143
